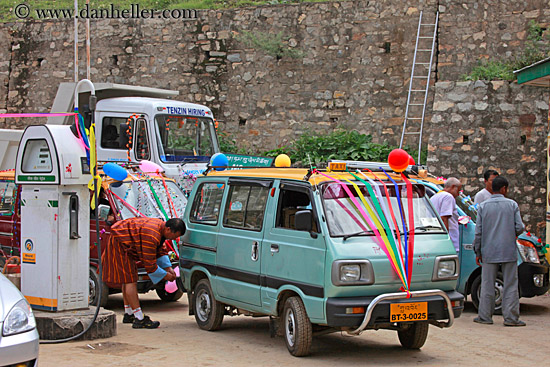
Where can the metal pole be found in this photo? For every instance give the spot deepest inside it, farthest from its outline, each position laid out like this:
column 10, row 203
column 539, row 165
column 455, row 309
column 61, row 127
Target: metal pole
column 75, row 41
column 88, row 44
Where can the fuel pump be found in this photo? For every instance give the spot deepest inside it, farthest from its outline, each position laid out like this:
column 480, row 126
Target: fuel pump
column 54, row 173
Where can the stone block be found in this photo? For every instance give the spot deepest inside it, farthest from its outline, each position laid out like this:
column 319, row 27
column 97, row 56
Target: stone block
column 61, row 325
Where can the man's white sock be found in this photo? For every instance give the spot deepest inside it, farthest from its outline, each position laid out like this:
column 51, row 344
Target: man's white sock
column 128, row 310
column 138, row 314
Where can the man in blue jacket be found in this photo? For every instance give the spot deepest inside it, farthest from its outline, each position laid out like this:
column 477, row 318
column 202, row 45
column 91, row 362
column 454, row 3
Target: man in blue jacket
column 498, row 224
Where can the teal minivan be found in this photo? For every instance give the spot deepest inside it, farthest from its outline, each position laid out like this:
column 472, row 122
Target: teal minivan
column 318, row 252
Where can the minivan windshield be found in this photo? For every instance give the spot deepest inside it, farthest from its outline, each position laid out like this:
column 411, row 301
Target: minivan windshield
column 344, row 218
column 184, row 138
column 134, row 198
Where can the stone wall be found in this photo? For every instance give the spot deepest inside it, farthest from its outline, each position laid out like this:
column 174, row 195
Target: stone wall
column 354, row 72
column 493, row 125
column 473, row 30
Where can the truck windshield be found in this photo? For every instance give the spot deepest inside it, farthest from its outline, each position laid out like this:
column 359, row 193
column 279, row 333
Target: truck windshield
column 184, row 138
column 344, row 218
column 140, row 197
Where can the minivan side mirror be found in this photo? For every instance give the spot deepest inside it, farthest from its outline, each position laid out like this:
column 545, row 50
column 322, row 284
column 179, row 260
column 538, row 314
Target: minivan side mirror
column 303, row 220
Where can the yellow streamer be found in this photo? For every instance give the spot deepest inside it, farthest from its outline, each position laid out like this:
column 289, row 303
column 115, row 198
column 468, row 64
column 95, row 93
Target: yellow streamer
column 93, row 164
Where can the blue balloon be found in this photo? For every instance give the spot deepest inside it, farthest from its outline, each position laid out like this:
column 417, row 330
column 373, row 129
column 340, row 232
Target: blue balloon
column 115, row 171
column 220, row 161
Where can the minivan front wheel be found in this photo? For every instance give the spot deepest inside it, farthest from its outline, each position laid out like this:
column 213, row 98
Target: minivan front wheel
column 208, row 311
column 414, row 336
column 297, row 327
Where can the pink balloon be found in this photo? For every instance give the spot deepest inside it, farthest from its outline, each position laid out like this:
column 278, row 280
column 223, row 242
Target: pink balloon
column 150, row 167
column 171, row 287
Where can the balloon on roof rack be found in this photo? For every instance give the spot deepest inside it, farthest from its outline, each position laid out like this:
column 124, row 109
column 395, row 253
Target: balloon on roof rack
column 150, row 167
column 282, row 160
column 114, row 171
column 219, row 161
column 398, row 160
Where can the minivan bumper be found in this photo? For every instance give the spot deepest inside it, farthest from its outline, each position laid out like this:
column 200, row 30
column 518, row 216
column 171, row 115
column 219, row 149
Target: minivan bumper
column 526, row 276
column 437, row 309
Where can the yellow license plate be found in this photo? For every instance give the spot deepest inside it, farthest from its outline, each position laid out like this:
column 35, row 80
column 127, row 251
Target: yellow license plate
column 400, row 312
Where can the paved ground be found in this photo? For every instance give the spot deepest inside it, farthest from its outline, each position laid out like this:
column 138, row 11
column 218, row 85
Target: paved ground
column 245, row 341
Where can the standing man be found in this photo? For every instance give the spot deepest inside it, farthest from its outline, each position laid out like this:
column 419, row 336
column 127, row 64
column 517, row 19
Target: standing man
column 498, row 224
column 139, row 239
column 445, row 204
column 486, row 193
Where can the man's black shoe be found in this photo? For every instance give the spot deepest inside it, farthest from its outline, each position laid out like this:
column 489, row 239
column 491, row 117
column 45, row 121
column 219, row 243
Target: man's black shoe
column 128, row 319
column 146, row 323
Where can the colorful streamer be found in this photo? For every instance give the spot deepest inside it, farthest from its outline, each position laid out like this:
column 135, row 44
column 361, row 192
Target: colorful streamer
column 369, row 223
column 410, row 244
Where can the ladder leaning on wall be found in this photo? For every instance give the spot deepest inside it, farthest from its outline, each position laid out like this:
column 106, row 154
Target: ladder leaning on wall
column 420, row 80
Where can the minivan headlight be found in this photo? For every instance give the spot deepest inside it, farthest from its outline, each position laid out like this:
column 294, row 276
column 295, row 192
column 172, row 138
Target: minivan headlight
column 352, row 272
column 19, row 320
column 445, row 268
column 527, row 252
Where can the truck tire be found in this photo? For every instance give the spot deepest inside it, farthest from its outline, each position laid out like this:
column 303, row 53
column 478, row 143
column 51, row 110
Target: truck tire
column 94, row 286
column 476, row 290
column 297, row 327
column 208, row 312
column 414, row 336
column 169, row 297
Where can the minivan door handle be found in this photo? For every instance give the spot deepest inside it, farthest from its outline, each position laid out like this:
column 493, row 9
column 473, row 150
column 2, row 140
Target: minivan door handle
column 254, row 254
column 274, row 248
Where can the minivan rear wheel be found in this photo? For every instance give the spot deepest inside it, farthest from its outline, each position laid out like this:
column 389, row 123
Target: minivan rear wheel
column 208, row 312
column 414, row 336
column 297, row 327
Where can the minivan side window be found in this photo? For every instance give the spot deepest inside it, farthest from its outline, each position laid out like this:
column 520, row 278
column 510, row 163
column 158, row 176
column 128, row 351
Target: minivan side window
column 290, row 202
column 207, row 202
column 245, row 207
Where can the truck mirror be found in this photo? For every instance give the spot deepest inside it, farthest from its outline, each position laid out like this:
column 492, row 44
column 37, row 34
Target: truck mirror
column 303, row 220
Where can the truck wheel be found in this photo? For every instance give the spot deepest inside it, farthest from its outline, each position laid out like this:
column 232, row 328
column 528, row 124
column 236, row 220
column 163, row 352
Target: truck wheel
column 499, row 288
column 94, row 287
column 297, row 327
column 169, row 297
column 414, row 336
column 208, row 312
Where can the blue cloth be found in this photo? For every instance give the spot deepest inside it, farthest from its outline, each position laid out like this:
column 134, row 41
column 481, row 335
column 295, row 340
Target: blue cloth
column 164, row 262
column 157, row 275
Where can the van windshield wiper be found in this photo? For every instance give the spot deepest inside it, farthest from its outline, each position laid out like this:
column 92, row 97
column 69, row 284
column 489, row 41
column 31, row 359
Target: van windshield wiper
column 425, row 228
column 356, row 234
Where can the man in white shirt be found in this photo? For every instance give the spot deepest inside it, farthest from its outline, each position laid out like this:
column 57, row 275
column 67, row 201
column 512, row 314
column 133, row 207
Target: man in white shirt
column 445, row 204
column 486, row 193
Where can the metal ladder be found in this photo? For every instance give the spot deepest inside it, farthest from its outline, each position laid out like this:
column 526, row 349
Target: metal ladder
column 416, row 107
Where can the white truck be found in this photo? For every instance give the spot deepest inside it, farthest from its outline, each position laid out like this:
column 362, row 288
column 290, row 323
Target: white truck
column 135, row 124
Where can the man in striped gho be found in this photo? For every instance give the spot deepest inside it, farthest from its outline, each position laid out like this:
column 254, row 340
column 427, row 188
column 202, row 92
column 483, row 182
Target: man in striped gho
column 139, row 239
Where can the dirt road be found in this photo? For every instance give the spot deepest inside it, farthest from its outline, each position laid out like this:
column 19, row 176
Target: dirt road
column 245, row 341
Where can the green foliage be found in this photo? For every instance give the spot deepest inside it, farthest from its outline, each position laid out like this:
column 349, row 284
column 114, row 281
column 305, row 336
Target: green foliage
column 339, row 144
column 536, row 48
column 275, row 45
column 491, row 70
